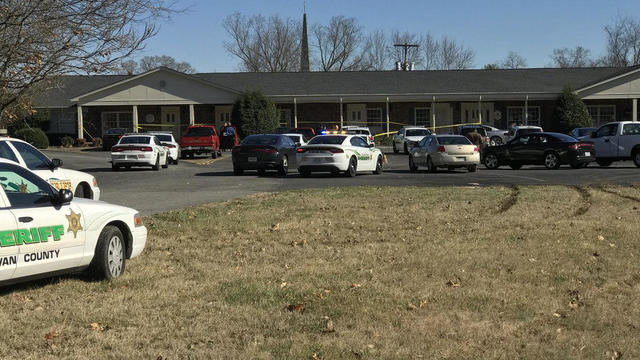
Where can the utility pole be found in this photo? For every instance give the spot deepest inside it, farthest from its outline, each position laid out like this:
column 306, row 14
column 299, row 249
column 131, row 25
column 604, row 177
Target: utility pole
column 405, row 64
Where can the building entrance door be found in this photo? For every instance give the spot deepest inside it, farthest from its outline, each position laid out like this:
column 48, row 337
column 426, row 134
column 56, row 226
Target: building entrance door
column 170, row 120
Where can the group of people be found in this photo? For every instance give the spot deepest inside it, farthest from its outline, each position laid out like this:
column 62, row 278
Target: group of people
column 228, row 137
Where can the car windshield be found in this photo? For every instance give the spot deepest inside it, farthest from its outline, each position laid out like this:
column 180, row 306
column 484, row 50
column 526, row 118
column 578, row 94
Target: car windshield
column 135, row 140
column 453, row 140
column 164, row 137
column 115, row 131
column 417, row 132
column 260, row 140
column 200, row 131
column 327, row 140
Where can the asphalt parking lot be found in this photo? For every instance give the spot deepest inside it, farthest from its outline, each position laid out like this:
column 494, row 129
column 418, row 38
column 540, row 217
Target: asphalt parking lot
column 205, row 180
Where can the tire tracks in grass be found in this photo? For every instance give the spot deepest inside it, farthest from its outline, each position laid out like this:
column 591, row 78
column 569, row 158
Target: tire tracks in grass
column 585, row 195
column 628, row 197
column 511, row 201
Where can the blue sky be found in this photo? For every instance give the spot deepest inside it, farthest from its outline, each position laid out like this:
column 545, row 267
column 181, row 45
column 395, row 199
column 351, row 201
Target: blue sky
column 492, row 27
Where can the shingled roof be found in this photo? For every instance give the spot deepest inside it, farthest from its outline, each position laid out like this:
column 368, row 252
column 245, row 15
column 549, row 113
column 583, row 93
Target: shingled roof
column 389, row 83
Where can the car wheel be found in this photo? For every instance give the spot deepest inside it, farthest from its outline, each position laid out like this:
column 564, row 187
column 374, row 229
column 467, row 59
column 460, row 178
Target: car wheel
column 406, row 148
column 166, row 162
column 604, row 163
column 515, row 166
column 412, row 164
column 283, row 169
column 115, row 168
column 237, row 171
column 352, row 170
column 79, row 193
column 395, row 149
column 109, row 258
column 495, row 141
column 156, row 167
column 430, row 166
column 551, row 160
column 304, row 173
column 378, row 170
column 175, row 162
column 636, row 158
column 491, row 161
column 472, row 168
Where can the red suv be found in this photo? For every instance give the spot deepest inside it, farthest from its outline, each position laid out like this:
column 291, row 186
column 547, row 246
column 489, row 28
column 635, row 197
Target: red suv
column 200, row 139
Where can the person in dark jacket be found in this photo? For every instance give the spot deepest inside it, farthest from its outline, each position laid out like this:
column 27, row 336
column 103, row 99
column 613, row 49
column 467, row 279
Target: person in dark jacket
column 230, row 135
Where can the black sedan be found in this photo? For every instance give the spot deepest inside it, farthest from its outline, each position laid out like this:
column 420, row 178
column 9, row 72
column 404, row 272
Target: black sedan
column 543, row 148
column 264, row 152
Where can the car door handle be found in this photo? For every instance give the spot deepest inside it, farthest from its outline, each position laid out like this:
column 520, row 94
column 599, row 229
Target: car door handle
column 25, row 219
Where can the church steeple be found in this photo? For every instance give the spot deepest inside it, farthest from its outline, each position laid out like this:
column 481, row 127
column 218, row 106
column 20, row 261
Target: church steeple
column 304, row 46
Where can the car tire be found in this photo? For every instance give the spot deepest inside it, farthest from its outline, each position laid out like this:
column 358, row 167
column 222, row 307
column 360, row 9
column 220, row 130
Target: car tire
column 283, row 168
column 491, row 161
column 156, row 167
column 378, row 169
column 79, row 193
column 472, row 168
column 495, row 141
column 604, row 163
column 412, row 164
column 551, row 160
column 304, row 173
column 430, row 166
column 166, row 162
column 635, row 156
column 175, row 162
column 109, row 257
column 515, row 166
column 406, row 149
column 352, row 170
column 115, row 167
column 395, row 149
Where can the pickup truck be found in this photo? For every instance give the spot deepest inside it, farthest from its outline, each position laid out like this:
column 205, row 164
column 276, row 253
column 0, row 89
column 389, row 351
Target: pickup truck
column 617, row 141
column 200, row 139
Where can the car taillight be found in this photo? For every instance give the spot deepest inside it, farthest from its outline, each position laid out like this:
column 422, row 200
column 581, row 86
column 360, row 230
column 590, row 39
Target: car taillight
column 475, row 149
column 441, row 149
column 137, row 220
column 301, row 150
column 573, row 146
column 336, row 151
column 267, row 150
column 370, row 138
column 116, row 149
column 146, row 148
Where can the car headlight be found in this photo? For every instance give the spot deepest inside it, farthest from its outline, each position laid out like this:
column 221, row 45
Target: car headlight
column 137, row 220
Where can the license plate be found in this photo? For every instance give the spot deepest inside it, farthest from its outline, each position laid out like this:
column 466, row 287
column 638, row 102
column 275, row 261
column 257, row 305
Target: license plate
column 586, row 153
column 252, row 159
column 460, row 158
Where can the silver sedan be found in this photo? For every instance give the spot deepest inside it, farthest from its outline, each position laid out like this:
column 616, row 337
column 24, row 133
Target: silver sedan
column 444, row 151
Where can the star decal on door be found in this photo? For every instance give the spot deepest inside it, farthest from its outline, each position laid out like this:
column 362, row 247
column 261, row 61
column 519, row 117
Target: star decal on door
column 74, row 223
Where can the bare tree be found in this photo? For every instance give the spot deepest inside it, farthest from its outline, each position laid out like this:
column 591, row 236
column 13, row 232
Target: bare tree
column 338, row 43
column 45, row 38
column 454, row 56
column 576, row 57
column 151, row 62
column 264, row 44
column 128, row 67
column 374, row 54
column 623, row 42
column 430, row 51
column 513, row 61
column 396, row 53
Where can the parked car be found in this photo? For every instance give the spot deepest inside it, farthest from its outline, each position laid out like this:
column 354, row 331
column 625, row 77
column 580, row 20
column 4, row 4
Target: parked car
column 516, row 131
column 447, row 151
column 139, row 150
column 167, row 139
column 308, row 132
column 47, row 231
column 282, row 130
column 362, row 131
column 496, row 136
column 537, row 148
column 408, row 137
column 200, row 139
column 264, row 152
column 579, row 133
column 465, row 130
column 617, row 141
column 111, row 137
column 298, row 139
column 339, row 153
column 83, row 185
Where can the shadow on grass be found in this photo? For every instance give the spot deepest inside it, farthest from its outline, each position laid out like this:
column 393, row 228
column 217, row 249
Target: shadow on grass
column 42, row 282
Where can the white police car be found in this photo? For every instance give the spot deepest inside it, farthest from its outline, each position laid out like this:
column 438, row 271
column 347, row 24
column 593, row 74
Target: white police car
column 82, row 185
column 44, row 231
column 339, row 153
column 139, row 150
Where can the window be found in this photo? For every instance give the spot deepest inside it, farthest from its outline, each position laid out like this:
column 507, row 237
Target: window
column 358, row 141
column 328, row 140
column 374, row 116
column 117, row 119
column 134, row 140
column 631, row 129
column 607, row 130
column 515, row 114
column 33, row 158
column 285, row 117
column 421, row 116
column 602, row 113
column 24, row 189
column 6, row 152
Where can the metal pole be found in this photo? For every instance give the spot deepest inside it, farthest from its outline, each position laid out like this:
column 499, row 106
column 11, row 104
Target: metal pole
column 192, row 115
column 635, row 110
column 341, row 115
column 433, row 115
column 135, row 118
column 526, row 110
column 480, row 110
column 295, row 113
column 388, row 117
column 80, row 124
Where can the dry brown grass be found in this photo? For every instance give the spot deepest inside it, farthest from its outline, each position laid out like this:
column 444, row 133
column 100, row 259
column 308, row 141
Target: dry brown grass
column 401, row 273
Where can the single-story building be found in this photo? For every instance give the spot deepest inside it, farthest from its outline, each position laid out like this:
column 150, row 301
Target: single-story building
column 164, row 99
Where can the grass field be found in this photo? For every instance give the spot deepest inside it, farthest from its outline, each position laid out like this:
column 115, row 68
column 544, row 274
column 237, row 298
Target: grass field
column 358, row 273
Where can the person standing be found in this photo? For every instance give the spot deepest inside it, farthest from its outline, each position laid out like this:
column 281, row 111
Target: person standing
column 230, row 133
column 225, row 137
column 478, row 140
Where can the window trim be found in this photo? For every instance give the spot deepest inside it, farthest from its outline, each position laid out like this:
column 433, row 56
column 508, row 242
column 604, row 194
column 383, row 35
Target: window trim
column 118, row 113
column 415, row 115
column 528, row 121
column 598, row 108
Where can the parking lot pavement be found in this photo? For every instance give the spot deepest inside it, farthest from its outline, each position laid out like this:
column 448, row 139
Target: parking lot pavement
column 197, row 182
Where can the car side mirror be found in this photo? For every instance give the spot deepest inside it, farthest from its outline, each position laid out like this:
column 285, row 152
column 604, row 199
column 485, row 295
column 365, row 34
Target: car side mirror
column 63, row 197
column 55, row 163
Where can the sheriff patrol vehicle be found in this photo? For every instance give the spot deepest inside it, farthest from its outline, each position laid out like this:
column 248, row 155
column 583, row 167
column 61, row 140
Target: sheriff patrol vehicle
column 339, row 153
column 43, row 232
column 82, row 185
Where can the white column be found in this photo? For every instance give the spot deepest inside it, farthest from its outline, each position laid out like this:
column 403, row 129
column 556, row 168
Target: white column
column 341, row 115
column 387, row 109
column 135, row 118
column 295, row 113
column 192, row 115
column 635, row 109
column 80, row 124
column 480, row 110
column 526, row 110
column 433, row 115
